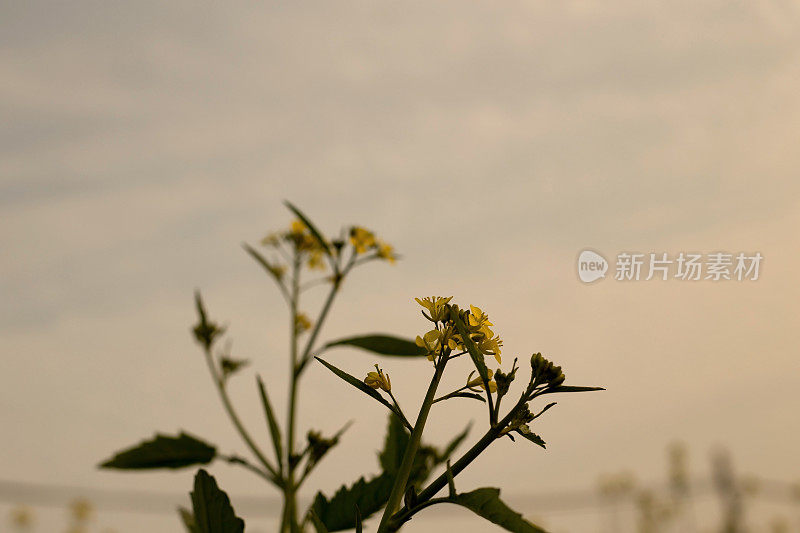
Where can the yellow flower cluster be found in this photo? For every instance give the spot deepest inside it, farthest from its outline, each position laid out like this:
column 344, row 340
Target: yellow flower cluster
column 364, row 240
column 444, row 335
column 301, row 237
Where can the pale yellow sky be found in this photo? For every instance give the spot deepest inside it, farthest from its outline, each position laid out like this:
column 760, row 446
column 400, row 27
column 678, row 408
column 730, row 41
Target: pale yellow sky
column 141, row 144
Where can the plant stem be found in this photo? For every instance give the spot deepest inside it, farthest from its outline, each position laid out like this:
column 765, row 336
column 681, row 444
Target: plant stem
column 402, row 415
column 450, row 395
column 404, row 472
column 430, row 491
column 226, row 402
column 318, row 326
column 289, row 519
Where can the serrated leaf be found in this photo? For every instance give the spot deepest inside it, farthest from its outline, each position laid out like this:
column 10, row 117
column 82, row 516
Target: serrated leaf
column 486, row 503
column 570, row 388
column 316, row 522
column 371, row 496
column 311, row 227
column 445, row 454
column 213, row 512
column 474, row 353
column 339, row 512
column 394, row 445
column 381, row 344
column 272, row 422
column 363, row 387
column 164, row 452
column 533, row 437
column 188, row 520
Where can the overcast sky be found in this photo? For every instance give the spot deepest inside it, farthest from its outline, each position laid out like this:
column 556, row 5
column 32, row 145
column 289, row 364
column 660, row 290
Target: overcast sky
column 141, row 144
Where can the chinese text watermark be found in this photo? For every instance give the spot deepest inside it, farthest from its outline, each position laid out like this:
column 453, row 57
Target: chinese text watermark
column 684, row 266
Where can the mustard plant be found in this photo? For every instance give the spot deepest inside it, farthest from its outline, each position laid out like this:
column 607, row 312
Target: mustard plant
column 403, row 487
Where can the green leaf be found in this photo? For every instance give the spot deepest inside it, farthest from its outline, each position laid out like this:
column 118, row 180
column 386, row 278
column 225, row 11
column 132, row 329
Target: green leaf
column 471, row 395
column 394, row 446
column 461, row 394
column 474, row 353
column 363, row 387
column 188, row 520
column 533, row 437
column 163, row 452
column 317, row 522
column 445, row 454
column 212, row 507
column 381, row 344
column 319, row 446
column 486, row 503
column 569, row 388
column 274, row 428
column 337, row 513
column 261, row 260
column 311, row 227
column 369, row 497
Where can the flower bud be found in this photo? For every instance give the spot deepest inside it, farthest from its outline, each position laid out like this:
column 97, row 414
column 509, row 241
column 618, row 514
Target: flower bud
column 378, row 380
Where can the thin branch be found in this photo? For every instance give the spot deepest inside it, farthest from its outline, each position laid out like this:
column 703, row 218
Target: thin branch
column 241, row 461
column 226, row 402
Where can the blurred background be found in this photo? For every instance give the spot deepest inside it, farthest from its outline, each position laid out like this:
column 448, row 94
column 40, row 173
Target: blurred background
column 490, row 143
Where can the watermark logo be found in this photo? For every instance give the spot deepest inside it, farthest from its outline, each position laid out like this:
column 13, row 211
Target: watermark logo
column 591, row 266
column 634, row 266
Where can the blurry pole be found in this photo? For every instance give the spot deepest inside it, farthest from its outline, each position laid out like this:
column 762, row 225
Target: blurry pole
column 680, row 490
column 729, row 492
column 615, row 491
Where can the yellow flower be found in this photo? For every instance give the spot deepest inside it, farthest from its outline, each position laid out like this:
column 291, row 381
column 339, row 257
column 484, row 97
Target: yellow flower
column 478, row 317
column 315, row 260
column 455, row 343
column 302, row 237
column 362, row 239
column 450, row 338
column 478, row 382
column 436, row 306
column 490, row 346
column 302, row 323
column 298, row 226
column 431, row 341
column 386, row 251
column 378, row 380
column 479, row 321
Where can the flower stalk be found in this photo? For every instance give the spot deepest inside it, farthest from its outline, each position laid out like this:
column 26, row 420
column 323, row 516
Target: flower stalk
column 399, row 487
